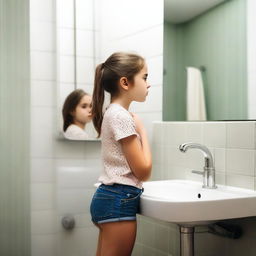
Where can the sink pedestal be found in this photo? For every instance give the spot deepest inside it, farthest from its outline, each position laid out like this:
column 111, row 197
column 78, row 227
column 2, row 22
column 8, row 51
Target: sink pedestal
column 187, row 241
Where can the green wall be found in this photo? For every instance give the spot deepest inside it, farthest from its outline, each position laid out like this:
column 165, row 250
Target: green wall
column 14, row 128
column 216, row 40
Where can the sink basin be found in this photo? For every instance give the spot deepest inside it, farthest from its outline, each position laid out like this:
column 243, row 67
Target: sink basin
column 185, row 202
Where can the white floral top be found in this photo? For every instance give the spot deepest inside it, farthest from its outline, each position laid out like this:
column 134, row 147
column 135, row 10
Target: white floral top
column 117, row 124
column 74, row 132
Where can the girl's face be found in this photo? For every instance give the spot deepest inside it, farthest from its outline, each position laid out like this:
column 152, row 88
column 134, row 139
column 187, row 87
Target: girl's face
column 140, row 86
column 82, row 113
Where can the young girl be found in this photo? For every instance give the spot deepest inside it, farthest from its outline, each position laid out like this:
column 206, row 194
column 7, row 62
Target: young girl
column 76, row 114
column 125, row 151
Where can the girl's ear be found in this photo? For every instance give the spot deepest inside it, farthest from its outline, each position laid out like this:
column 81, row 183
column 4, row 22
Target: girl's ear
column 124, row 83
column 72, row 113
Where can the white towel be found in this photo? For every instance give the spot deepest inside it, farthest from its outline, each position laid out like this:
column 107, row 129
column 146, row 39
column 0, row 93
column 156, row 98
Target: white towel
column 195, row 95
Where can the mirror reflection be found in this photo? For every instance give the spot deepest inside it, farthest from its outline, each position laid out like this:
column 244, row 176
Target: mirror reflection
column 76, row 113
column 76, row 58
column 206, row 53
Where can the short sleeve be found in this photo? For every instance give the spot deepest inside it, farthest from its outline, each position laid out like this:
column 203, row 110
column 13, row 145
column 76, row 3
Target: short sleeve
column 122, row 126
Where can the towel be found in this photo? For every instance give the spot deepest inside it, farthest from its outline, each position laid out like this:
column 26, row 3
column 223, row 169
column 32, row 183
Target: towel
column 195, row 95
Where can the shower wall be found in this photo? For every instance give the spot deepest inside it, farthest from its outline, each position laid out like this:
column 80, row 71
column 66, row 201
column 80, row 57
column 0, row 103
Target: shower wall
column 14, row 128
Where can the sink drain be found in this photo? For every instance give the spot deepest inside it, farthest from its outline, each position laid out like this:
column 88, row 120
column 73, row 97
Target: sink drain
column 199, row 195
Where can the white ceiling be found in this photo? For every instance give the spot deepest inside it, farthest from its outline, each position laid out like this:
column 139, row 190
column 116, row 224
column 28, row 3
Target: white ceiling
column 177, row 11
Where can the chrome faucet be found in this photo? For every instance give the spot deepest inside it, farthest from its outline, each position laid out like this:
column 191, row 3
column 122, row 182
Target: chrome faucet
column 209, row 170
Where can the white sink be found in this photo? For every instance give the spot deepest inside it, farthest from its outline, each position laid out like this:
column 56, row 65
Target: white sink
column 186, row 203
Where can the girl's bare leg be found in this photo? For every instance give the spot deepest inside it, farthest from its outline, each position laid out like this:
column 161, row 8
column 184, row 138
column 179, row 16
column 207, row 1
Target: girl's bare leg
column 98, row 253
column 117, row 238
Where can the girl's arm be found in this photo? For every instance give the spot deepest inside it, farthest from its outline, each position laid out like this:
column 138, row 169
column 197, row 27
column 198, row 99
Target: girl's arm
column 137, row 153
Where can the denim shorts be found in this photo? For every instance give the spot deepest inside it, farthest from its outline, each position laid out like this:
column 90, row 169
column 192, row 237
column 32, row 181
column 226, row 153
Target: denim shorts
column 117, row 202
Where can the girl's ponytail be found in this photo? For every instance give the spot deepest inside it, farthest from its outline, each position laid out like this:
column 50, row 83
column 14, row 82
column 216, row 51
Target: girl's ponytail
column 107, row 76
column 98, row 99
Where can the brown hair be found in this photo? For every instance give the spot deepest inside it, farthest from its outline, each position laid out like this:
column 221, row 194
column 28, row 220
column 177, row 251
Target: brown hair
column 70, row 105
column 107, row 75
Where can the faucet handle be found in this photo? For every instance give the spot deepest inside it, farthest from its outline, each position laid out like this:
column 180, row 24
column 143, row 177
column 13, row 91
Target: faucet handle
column 198, row 172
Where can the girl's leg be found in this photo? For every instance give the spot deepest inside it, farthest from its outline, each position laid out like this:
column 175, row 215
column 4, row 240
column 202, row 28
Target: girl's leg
column 98, row 253
column 117, row 238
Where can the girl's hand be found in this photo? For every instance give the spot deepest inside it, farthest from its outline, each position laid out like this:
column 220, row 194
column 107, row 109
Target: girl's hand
column 138, row 123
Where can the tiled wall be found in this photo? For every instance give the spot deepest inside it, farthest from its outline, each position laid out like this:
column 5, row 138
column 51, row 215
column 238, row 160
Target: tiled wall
column 233, row 145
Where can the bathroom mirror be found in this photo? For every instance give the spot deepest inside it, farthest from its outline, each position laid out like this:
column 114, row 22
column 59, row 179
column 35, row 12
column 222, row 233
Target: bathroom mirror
column 217, row 38
column 99, row 27
column 75, row 57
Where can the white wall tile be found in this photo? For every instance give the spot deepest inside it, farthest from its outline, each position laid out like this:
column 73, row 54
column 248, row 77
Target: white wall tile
column 214, row 134
column 162, row 238
column 77, row 162
column 240, row 161
column 66, row 41
column 194, row 132
column 77, row 177
column 42, row 124
column 64, row 90
column 42, row 10
column 42, row 36
column 137, row 250
column 42, row 245
column 74, row 201
column 150, row 10
column 85, row 43
column 147, row 118
column 150, row 48
column 220, row 159
column 85, row 70
column 66, row 69
column 153, row 101
column 43, row 66
column 220, row 178
column 240, row 181
column 82, row 241
column 65, row 13
column 176, row 134
column 93, row 150
column 44, row 222
column 70, row 149
column 43, row 93
column 42, row 170
column 85, row 11
column 155, row 70
column 41, row 144
column 41, row 140
column 241, row 135
column 158, row 137
column 42, row 196
column 86, row 87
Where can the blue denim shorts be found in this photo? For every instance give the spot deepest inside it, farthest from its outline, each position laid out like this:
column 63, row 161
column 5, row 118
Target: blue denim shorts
column 117, row 202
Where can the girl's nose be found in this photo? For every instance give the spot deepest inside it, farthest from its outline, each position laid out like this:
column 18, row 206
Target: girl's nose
column 148, row 86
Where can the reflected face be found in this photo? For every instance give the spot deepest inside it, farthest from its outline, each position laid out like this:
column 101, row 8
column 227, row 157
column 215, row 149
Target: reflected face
column 83, row 111
column 140, row 87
